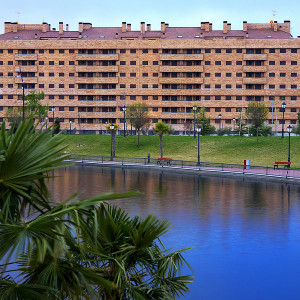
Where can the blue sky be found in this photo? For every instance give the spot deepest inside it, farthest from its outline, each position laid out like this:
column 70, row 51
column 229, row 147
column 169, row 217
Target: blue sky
column 175, row 12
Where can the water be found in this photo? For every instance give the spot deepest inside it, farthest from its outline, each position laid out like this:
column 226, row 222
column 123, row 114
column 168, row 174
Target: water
column 246, row 234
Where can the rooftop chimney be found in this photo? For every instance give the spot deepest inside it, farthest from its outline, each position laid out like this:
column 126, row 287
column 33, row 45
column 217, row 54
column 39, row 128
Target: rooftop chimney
column 275, row 26
column 45, row 27
column 123, row 27
column 67, row 27
column 224, row 26
column 167, row 25
column 80, row 27
column 61, row 27
column 128, row 27
column 148, row 27
column 210, row 26
column 206, row 26
column 142, row 27
column 164, row 35
column 162, row 26
column 228, row 26
column 117, row 35
column 244, row 26
column 53, row 29
column 247, row 35
column 80, row 35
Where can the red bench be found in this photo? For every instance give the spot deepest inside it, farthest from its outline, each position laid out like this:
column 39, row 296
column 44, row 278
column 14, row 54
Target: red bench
column 281, row 163
column 161, row 160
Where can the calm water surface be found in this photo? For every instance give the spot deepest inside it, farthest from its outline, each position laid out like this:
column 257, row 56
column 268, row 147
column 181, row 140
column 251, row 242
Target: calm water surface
column 246, row 234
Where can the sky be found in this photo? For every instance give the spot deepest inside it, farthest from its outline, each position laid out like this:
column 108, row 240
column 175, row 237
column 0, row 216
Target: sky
column 182, row 13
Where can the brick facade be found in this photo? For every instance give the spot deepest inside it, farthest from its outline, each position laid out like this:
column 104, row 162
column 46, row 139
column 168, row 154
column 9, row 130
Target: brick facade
column 89, row 74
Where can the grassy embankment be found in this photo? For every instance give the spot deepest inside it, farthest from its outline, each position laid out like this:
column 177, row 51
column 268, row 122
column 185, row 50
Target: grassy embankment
column 213, row 149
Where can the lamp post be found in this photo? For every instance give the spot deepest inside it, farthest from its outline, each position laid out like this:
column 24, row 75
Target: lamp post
column 233, row 124
column 70, row 126
column 198, row 131
column 131, row 117
column 195, row 107
column 53, row 109
column 283, row 106
column 124, row 109
column 289, row 129
column 46, row 122
column 220, row 117
column 111, row 127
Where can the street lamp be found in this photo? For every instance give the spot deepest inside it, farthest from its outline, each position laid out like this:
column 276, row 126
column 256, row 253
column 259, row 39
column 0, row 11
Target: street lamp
column 220, row 117
column 70, row 126
column 198, row 131
column 46, row 122
column 195, row 107
column 53, row 109
column 233, row 124
column 124, row 109
column 111, row 127
column 283, row 106
column 131, row 117
column 289, row 129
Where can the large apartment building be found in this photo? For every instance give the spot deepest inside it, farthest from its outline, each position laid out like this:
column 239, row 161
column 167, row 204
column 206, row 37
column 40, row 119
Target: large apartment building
column 90, row 74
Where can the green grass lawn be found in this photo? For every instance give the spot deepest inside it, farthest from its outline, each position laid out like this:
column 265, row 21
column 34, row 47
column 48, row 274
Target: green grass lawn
column 226, row 149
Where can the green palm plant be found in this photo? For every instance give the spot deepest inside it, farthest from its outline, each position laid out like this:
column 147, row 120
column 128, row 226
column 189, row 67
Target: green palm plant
column 161, row 129
column 84, row 249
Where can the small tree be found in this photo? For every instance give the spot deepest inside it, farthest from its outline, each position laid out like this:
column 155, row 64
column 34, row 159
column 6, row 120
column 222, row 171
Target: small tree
column 257, row 114
column 161, row 129
column 35, row 109
column 137, row 116
column 113, row 137
column 56, row 128
column 204, row 122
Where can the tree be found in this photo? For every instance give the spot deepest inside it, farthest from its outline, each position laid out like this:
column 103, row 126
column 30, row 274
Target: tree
column 257, row 114
column 84, row 249
column 113, row 137
column 56, row 128
column 137, row 116
column 161, row 129
column 204, row 122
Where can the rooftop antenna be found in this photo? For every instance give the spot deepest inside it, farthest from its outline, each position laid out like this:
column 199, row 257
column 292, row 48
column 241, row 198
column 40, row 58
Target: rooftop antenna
column 274, row 12
column 18, row 18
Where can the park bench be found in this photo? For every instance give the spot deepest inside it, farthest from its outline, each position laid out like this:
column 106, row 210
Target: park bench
column 281, row 163
column 161, row 161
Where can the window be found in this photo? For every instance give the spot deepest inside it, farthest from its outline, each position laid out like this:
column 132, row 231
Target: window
column 10, row 63
column 122, row 74
column 71, row 108
column 228, row 86
column 122, row 63
column 155, row 74
column 271, row 74
column 217, row 109
column 133, row 63
column 41, row 63
column 207, row 74
column 71, row 51
column 206, row 97
column 61, row 63
column 207, row 86
column 294, row 98
column 282, row 86
column 71, row 63
column 145, row 63
column 282, row 50
column 133, row 86
column 239, row 50
column 41, row 51
column 61, row 108
column 217, row 74
column 132, row 51
column 122, row 86
column 228, row 50
column 293, row 63
column 271, row 86
column 41, row 74
column 272, row 63
column 10, row 97
column 155, row 86
column 51, row 63
column 293, row 86
column 227, row 109
column 51, row 97
column 218, row 63
column 10, row 51
column 132, row 97
column 239, row 63
column 239, row 74
column 123, row 51
column 1, row 63
column 1, row 74
column 145, row 74
column 218, row 86
column 293, row 50
column 155, row 50
column 71, row 97
column 293, row 74
column 51, row 74
column 61, row 51
column 132, row 74
column 228, row 63
column 10, row 74
column 155, row 108
column 51, row 86
column 51, row 51
column 71, row 75
column 10, row 86
column 145, row 51
column 228, row 74
column 61, row 74
column 61, row 97
column 61, row 86
column 144, row 97
column 282, row 62
column 71, row 86
column 144, row 86
column 238, row 86
column 155, row 63
column 155, row 97
column 228, row 98
column 218, row 50
column 282, row 74
column 272, row 50
column 207, row 50
column 207, row 63
column 1, row 51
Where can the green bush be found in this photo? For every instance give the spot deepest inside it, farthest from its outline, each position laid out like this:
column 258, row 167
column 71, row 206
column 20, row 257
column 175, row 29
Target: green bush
column 263, row 130
column 224, row 131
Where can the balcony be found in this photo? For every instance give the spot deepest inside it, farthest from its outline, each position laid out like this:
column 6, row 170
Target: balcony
column 90, row 80
column 97, row 56
column 26, row 80
column 25, row 56
column 177, row 80
column 181, row 69
column 255, row 69
column 96, row 68
column 255, row 56
column 254, row 80
column 26, row 69
column 181, row 57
